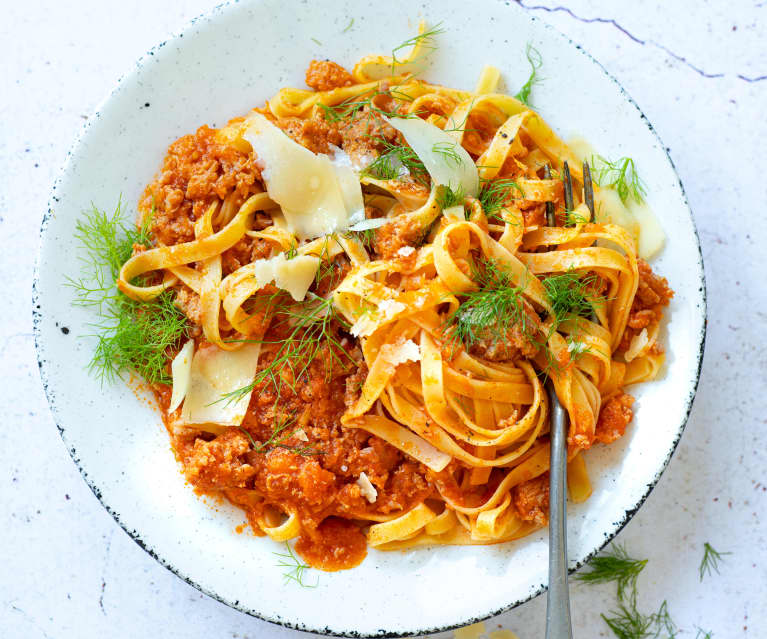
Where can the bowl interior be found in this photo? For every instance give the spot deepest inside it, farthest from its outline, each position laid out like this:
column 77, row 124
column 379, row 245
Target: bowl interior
column 219, row 67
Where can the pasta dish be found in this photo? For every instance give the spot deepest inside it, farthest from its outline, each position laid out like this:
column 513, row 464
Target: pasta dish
column 348, row 301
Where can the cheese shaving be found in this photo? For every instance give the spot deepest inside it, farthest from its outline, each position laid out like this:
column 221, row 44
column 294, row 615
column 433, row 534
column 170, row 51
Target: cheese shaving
column 181, row 369
column 292, row 275
column 407, row 351
column 318, row 196
column 367, row 490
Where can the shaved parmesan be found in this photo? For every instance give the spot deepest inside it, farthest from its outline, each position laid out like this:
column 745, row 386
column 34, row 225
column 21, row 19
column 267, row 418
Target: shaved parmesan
column 367, row 490
column 366, row 324
column 296, row 275
column 214, row 374
column 372, row 223
column 407, row 351
column 447, row 162
column 389, row 308
column 292, row 275
column 300, row 434
column 349, row 183
column 317, row 196
column 405, row 251
column 181, row 369
column 638, row 344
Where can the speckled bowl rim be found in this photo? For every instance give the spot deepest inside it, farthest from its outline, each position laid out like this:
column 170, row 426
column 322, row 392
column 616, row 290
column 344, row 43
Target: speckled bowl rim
column 133, row 534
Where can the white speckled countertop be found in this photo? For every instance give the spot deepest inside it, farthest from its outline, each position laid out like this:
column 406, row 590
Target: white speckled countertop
column 699, row 72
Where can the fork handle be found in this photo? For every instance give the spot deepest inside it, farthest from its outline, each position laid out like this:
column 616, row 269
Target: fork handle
column 558, row 625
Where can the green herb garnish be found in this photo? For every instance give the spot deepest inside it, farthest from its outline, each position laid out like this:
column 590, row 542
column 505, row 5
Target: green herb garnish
column 710, row 561
column 449, row 153
column 296, row 569
column 311, row 331
column 425, row 39
column 497, row 305
column 132, row 336
column 535, row 60
column 447, row 197
column 703, row 634
column 573, row 217
column 367, row 237
column 615, row 565
column 495, row 193
column 626, row 622
column 389, row 164
column 348, row 26
column 292, row 251
column 571, row 295
column 316, row 41
column 620, row 175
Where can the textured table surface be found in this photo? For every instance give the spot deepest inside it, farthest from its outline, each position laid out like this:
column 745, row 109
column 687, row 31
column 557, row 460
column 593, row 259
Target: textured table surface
column 699, row 72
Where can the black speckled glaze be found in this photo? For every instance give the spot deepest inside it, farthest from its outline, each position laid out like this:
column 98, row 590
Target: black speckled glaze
column 37, row 313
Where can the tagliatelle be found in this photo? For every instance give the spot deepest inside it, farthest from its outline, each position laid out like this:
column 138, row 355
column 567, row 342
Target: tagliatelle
column 399, row 392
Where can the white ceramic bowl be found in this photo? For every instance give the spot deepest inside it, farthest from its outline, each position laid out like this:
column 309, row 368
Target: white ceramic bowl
column 220, row 66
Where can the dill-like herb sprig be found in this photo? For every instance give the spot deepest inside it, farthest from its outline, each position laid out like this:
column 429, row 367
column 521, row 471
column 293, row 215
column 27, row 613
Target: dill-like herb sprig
column 395, row 158
column 573, row 217
column 626, row 622
column 292, row 251
column 703, row 634
column 620, row 175
column 449, row 153
column 535, row 60
column 295, row 568
column 131, row 335
column 447, row 197
column 367, row 237
column 311, row 332
column 496, row 305
column 571, row 295
column 710, row 561
column 348, row 26
column 351, row 107
column 426, row 40
column 617, row 566
column 494, row 194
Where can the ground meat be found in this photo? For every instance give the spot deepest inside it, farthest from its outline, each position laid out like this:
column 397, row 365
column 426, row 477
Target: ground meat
column 402, row 231
column 533, row 213
column 501, row 344
column 354, row 384
column 337, row 544
column 244, row 252
column 531, row 500
column 361, row 136
column 324, row 75
column 330, row 275
column 189, row 302
column 613, row 418
column 220, row 463
column 314, row 133
column 284, row 476
column 652, row 289
column 197, row 171
column 653, row 293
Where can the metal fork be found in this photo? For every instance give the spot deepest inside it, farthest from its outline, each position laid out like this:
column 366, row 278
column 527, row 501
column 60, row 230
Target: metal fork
column 558, row 624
